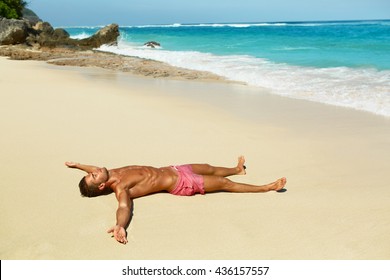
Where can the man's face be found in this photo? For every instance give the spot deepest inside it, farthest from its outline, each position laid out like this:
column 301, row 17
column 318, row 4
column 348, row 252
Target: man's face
column 97, row 177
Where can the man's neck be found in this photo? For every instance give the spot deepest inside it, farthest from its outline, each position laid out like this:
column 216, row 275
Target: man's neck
column 113, row 179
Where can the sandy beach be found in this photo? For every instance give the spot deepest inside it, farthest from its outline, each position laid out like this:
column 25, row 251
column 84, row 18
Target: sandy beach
column 336, row 162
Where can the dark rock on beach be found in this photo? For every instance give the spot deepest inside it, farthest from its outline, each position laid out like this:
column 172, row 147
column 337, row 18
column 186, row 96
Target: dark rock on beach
column 48, row 37
column 152, row 44
column 42, row 34
column 13, row 31
column 105, row 36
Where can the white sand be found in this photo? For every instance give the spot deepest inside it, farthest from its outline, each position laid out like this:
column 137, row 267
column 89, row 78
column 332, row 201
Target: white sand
column 336, row 161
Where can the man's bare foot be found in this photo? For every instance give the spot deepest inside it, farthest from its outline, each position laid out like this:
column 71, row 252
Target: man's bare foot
column 278, row 184
column 241, row 166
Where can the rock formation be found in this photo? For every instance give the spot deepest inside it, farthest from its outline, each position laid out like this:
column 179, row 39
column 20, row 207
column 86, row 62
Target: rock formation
column 106, row 36
column 152, row 44
column 13, row 31
column 30, row 16
column 42, row 34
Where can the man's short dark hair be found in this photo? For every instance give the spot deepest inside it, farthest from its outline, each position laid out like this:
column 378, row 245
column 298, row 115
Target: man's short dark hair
column 92, row 190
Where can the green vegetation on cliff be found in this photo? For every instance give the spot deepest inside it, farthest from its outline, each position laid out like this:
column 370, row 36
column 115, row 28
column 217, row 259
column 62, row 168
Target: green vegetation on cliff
column 12, row 8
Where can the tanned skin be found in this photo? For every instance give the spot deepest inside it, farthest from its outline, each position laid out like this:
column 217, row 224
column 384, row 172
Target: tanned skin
column 134, row 181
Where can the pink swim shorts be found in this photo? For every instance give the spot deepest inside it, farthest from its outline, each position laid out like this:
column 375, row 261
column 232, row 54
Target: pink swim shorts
column 188, row 183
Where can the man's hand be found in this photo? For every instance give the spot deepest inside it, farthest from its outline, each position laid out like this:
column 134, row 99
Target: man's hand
column 119, row 233
column 71, row 164
column 83, row 167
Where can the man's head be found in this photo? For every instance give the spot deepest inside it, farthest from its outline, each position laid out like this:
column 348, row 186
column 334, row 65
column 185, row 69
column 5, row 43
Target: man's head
column 94, row 184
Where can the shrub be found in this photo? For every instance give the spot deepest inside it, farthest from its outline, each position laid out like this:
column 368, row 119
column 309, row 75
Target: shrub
column 12, row 8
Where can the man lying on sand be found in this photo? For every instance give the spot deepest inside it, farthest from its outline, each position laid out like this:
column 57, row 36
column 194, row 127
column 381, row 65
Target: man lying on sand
column 136, row 181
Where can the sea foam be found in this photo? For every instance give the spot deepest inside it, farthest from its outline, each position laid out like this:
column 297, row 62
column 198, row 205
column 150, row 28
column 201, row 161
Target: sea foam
column 365, row 89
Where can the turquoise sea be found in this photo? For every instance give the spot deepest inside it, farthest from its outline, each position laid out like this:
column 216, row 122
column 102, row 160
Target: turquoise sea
column 343, row 63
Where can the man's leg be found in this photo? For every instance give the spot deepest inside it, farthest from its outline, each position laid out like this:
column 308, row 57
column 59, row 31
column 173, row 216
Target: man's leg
column 218, row 183
column 206, row 169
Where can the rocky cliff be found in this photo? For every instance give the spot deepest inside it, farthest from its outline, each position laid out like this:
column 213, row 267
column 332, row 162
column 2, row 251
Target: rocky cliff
column 33, row 32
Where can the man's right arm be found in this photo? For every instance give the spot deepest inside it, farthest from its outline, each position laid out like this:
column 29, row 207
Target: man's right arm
column 83, row 167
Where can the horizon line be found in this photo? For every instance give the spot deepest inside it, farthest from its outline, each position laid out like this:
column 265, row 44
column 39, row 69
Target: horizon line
column 223, row 23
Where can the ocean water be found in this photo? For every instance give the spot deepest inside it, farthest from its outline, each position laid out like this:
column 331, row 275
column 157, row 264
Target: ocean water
column 343, row 63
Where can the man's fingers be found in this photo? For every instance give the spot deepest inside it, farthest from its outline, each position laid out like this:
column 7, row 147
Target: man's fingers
column 119, row 236
column 70, row 164
column 122, row 240
column 110, row 230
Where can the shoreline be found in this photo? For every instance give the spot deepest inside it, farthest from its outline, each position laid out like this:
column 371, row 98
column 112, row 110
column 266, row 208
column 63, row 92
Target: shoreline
column 335, row 160
column 105, row 60
column 136, row 66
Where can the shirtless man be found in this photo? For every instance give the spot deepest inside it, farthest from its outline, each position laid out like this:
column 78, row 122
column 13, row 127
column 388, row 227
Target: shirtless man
column 136, row 181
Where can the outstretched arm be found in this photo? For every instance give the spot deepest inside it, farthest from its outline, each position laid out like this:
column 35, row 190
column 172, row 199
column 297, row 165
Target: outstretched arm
column 123, row 215
column 83, row 167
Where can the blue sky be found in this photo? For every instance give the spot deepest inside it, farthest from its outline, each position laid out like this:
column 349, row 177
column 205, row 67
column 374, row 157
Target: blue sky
column 140, row 12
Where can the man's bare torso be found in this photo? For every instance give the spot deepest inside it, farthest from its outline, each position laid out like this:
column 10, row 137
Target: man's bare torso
column 143, row 180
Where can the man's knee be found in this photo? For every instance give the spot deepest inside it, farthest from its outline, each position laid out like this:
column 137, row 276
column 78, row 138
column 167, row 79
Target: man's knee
column 202, row 169
column 209, row 169
column 226, row 184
